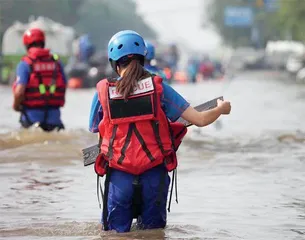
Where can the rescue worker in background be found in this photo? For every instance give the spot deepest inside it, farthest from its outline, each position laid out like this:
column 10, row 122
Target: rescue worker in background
column 206, row 67
column 172, row 58
column 149, row 58
column 80, row 63
column 136, row 148
column 39, row 90
column 86, row 48
column 192, row 69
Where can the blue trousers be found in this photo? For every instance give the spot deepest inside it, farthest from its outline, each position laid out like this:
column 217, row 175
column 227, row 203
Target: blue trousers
column 120, row 196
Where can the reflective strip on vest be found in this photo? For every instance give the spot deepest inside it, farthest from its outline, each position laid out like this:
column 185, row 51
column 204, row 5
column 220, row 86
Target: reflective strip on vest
column 42, row 89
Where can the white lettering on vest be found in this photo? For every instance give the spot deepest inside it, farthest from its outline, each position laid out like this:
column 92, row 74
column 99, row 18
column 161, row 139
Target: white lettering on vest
column 143, row 86
column 43, row 67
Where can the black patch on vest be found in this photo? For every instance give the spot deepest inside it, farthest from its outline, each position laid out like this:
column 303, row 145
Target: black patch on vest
column 138, row 106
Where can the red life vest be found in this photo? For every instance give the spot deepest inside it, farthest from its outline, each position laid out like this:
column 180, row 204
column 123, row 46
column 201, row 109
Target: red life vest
column 135, row 135
column 46, row 86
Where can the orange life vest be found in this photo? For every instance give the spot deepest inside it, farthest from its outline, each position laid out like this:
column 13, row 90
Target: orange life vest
column 46, row 86
column 135, row 135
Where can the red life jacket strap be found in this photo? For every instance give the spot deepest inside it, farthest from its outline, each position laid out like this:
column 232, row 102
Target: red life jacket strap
column 30, row 62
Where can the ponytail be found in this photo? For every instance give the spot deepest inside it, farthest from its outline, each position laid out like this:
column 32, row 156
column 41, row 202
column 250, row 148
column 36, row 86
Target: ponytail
column 133, row 73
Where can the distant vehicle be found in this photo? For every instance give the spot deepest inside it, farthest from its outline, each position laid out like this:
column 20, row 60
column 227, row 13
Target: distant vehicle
column 237, row 60
column 248, row 59
column 300, row 77
column 278, row 52
column 295, row 63
column 83, row 75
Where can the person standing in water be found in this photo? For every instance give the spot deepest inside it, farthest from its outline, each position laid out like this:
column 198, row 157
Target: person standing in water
column 40, row 87
column 135, row 137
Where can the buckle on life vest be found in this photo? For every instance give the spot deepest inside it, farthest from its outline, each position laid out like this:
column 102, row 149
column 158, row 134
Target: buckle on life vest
column 101, row 165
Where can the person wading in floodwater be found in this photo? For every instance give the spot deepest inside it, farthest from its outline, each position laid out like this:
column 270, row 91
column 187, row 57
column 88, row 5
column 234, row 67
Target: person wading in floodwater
column 137, row 142
column 40, row 87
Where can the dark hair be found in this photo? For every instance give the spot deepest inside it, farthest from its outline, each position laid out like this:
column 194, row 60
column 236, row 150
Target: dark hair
column 133, row 73
column 35, row 44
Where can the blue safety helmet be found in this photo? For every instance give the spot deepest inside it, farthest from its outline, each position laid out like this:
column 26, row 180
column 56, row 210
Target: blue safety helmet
column 125, row 43
column 150, row 50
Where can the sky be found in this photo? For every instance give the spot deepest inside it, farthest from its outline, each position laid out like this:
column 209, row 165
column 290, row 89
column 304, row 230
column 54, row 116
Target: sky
column 179, row 20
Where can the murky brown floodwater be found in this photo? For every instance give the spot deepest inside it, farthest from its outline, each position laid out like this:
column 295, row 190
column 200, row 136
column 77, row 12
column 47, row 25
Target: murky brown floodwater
column 244, row 180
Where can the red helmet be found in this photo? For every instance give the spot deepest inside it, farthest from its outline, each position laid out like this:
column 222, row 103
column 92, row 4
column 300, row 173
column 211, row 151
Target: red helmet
column 33, row 35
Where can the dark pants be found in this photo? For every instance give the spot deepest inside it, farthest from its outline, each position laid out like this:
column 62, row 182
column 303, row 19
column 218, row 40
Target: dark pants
column 120, row 195
column 44, row 126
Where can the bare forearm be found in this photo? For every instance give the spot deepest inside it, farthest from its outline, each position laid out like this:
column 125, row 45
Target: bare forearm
column 201, row 119
column 208, row 117
column 18, row 97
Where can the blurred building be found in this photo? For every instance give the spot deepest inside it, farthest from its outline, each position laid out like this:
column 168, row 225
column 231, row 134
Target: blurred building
column 59, row 38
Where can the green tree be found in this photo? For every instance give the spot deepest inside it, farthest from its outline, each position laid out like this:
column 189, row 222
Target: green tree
column 104, row 18
column 291, row 19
